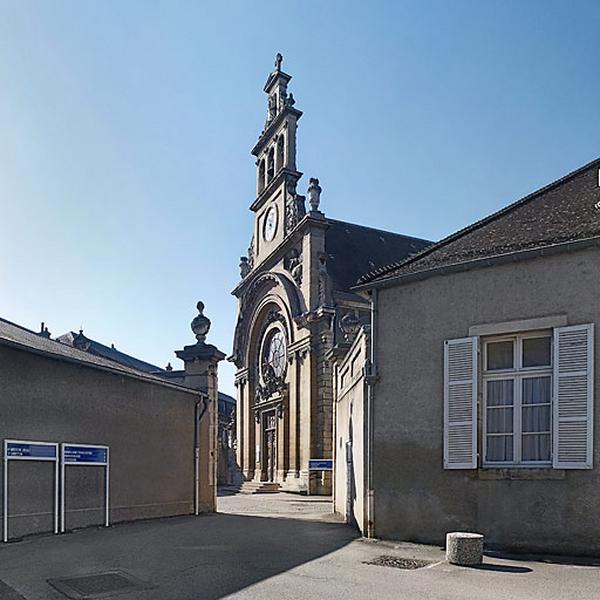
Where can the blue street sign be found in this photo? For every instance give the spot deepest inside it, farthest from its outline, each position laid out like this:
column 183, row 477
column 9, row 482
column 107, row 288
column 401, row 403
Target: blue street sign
column 84, row 454
column 320, row 464
column 30, row 450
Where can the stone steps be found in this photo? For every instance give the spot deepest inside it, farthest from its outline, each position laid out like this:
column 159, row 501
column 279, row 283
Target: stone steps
column 259, row 487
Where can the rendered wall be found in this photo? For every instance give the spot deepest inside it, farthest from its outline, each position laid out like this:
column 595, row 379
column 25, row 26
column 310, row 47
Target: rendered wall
column 415, row 498
column 149, row 428
column 349, row 497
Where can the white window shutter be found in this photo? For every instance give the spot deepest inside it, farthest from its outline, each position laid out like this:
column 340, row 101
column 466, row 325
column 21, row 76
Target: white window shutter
column 573, row 397
column 460, row 403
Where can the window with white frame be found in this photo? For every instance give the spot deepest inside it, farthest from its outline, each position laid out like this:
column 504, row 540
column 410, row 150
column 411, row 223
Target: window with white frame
column 517, row 395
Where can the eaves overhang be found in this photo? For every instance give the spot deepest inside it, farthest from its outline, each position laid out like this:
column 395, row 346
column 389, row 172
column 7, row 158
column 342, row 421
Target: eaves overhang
column 140, row 376
column 480, row 263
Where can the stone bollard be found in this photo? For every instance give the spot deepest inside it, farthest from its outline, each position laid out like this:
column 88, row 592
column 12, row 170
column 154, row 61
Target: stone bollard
column 465, row 549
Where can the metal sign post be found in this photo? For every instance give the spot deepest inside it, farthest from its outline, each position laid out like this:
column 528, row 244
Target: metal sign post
column 87, row 456
column 26, row 450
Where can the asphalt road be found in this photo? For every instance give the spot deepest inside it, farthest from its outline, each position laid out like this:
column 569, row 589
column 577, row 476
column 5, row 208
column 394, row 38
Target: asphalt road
column 283, row 547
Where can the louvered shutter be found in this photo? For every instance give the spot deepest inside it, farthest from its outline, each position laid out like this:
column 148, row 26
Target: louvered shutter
column 573, row 398
column 460, row 403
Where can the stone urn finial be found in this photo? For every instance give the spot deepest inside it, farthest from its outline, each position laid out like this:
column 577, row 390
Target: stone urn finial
column 200, row 324
column 314, row 194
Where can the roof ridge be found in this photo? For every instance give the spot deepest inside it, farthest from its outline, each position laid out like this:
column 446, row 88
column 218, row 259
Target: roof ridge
column 367, row 277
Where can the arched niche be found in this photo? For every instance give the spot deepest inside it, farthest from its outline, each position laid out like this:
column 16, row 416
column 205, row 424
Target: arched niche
column 270, row 291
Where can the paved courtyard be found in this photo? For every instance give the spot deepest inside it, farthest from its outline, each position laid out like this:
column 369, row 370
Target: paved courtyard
column 262, row 547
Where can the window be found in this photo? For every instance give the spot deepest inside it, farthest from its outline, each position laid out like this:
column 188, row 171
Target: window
column 280, row 152
column 274, row 354
column 517, row 389
column 270, row 165
column 532, row 391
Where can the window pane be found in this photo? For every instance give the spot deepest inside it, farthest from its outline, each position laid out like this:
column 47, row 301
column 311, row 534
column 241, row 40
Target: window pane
column 536, row 447
column 499, row 355
column 536, row 352
column 536, row 390
column 499, row 420
column 499, row 448
column 536, row 418
column 500, row 392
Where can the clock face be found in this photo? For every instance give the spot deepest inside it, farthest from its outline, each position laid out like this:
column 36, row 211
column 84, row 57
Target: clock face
column 270, row 224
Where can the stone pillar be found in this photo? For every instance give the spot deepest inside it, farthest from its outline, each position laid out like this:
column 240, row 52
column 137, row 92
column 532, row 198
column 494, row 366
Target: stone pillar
column 292, row 410
column 201, row 373
column 283, row 438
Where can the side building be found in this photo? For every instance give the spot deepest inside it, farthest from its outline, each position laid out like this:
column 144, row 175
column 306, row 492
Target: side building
column 295, row 303
column 226, row 472
column 160, row 435
column 479, row 407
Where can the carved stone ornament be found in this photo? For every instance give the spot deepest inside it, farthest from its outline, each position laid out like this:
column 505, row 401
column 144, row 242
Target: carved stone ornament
column 200, row 324
column 314, row 194
column 350, row 325
column 244, row 267
column 271, row 385
column 323, row 289
column 293, row 264
column 251, row 253
column 294, row 205
column 274, row 315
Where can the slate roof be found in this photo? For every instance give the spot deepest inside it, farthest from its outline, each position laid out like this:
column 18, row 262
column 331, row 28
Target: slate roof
column 111, row 353
column 19, row 337
column 353, row 250
column 561, row 212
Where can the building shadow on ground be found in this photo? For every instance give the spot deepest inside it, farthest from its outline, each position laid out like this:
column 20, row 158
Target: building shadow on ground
column 208, row 557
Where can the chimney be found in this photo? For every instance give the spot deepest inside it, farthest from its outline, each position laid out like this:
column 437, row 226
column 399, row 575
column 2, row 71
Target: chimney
column 44, row 331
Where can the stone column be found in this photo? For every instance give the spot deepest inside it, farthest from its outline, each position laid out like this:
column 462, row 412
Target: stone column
column 201, row 373
column 292, row 410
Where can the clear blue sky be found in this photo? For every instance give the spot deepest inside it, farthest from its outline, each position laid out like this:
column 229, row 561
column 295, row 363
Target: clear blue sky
column 125, row 130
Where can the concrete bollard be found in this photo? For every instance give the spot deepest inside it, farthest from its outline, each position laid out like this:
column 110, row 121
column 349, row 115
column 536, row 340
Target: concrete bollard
column 465, row 549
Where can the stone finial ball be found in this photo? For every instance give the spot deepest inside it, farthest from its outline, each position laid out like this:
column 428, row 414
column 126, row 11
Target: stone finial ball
column 200, row 306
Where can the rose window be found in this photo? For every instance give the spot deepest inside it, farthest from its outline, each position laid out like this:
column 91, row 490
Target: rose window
column 274, row 354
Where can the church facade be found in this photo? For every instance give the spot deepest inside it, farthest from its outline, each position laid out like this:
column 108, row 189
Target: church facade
column 296, row 309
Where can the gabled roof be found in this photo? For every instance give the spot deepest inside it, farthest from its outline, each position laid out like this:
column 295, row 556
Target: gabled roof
column 353, row 250
column 111, row 353
column 562, row 212
column 20, row 338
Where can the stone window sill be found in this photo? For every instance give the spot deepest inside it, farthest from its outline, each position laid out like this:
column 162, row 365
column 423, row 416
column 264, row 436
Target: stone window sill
column 520, row 474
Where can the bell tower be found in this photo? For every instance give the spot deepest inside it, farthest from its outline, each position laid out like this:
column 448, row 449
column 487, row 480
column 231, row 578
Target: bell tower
column 278, row 208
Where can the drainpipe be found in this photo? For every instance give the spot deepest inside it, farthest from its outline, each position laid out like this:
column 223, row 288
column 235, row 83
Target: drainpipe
column 370, row 380
column 198, row 414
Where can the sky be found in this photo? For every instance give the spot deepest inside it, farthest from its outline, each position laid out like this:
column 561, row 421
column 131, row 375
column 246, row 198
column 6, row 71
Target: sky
column 126, row 129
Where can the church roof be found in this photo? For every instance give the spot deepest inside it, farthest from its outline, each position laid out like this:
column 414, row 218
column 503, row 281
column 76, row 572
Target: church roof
column 353, row 250
column 563, row 212
column 111, row 353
